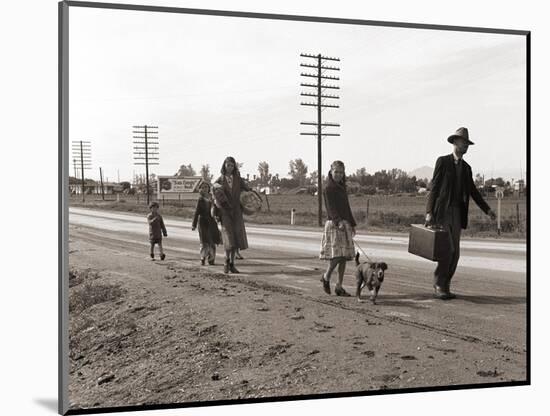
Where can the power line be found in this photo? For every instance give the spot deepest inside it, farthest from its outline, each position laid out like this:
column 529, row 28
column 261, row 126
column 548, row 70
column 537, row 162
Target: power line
column 319, row 87
column 146, row 152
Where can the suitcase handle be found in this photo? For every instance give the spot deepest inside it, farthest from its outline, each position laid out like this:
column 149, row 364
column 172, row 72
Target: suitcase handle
column 434, row 226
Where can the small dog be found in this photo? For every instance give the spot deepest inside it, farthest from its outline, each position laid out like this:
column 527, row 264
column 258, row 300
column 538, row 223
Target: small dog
column 370, row 275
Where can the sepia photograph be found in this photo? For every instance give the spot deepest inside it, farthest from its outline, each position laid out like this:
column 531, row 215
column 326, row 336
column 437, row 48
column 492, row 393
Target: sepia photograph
column 273, row 207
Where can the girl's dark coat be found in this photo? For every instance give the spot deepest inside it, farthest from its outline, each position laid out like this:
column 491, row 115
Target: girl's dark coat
column 337, row 202
column 208, row 229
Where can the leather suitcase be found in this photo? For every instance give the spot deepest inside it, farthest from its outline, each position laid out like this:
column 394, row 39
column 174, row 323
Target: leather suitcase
column 430, row 243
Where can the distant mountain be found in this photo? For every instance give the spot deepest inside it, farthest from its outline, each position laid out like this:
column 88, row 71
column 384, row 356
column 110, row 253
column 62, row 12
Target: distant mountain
column 423, row 172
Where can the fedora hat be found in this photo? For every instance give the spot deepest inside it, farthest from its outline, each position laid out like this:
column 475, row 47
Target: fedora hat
column 461, row 132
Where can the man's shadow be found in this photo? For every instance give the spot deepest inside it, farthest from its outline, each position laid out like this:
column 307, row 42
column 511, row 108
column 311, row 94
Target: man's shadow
column 408, row 299
column 493, row 300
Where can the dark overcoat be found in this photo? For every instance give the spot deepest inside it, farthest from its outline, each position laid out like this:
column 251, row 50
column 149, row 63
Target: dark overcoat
column 208, row 229
column 443, row 185
column 233, row 230
column 156, row 227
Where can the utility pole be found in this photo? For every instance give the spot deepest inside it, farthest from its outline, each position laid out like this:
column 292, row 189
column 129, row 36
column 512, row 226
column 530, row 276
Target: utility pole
column 82, row 152
column 146, row 150
column 319, row 97
column 101, row 179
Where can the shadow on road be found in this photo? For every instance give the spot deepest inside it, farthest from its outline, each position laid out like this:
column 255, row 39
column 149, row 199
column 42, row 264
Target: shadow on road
column 409, row 300
column 493, row 300
column 294, row 273
column 252, row 258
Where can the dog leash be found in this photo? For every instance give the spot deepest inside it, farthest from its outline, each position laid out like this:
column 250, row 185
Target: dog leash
column 368, row 258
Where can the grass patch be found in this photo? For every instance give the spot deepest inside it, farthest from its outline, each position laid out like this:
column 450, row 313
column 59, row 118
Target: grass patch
column 86, row 291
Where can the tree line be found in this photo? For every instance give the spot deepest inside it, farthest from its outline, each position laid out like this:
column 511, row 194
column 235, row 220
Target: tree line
column 299, row 176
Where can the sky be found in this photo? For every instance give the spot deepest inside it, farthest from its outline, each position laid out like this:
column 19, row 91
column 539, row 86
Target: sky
column 220, row 86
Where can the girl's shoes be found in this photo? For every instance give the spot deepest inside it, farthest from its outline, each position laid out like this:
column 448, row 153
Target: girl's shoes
column 326, row 285
column 339, row 291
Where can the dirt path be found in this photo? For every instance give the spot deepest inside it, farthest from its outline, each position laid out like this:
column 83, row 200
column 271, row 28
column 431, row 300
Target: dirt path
column 172, row 332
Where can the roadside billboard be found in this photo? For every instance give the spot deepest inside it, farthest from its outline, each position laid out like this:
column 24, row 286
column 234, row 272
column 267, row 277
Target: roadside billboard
column 170, row 185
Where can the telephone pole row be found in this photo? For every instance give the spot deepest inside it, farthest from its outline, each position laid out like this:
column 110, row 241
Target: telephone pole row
column 82, row 154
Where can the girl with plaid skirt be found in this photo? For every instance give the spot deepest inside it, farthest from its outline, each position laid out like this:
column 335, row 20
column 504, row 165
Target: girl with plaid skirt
column 337, row 244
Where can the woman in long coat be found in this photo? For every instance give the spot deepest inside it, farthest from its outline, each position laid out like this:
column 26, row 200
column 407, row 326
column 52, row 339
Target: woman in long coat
column 227, row 193
column 337, row 245
column 209, row 233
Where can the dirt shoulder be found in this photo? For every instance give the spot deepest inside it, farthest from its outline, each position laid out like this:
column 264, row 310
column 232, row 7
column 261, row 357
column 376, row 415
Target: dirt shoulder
column 145, row 332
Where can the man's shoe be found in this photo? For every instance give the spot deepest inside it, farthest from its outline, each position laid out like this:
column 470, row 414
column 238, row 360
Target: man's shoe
column 162, row 256
column 449, row 293
column 439, row 293
column 202, row 261
column 226, row 267
column 326, row 285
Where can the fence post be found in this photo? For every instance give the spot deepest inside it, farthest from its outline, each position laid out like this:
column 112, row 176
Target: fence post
column 292, row 211
column 267, row 201
column 163, row 200
column 517, row 216
column 498, row 217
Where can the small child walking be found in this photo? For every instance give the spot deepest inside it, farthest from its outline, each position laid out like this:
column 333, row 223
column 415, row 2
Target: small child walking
column 209, row 233
column 156, row 229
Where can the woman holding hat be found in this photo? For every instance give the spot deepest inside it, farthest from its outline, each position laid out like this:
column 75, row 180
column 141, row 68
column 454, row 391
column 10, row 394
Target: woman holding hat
column 337, row 245
column 227, row 193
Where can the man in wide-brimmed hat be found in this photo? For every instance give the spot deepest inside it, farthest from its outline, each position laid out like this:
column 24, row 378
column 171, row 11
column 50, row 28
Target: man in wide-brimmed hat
column 452, row 186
